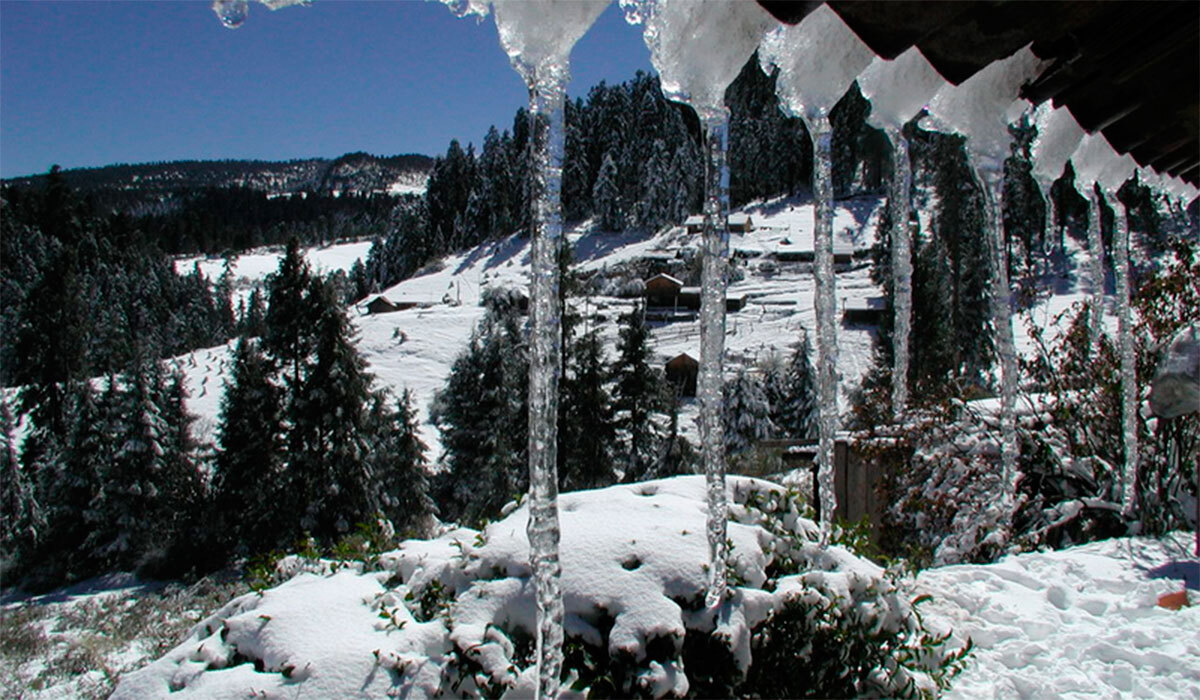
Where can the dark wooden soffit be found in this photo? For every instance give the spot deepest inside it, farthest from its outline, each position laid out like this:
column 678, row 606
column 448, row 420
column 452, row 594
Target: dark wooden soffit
column 1130, row 69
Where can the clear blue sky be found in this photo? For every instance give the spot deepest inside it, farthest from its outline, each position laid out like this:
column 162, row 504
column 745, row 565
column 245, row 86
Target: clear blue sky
column 92, row 83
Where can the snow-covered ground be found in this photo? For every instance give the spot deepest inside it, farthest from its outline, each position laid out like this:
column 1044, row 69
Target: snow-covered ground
column 252, row 267
column 1077, row 623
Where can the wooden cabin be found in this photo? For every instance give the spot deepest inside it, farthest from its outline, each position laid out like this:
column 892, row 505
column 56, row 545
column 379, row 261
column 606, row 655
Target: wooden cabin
column 383, row 305
column 683, row 371
column 663, row 290
column 869, row 311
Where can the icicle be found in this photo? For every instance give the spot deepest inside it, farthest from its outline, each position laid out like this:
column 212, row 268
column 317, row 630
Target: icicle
column 698, row 48
column 1095, row 274
column 991, row 179
column 1051, row 224
column 545, row 366
column 1129, row 390
column 826, row 308
column 712, row 345
column 538, row 38
column 898, row 198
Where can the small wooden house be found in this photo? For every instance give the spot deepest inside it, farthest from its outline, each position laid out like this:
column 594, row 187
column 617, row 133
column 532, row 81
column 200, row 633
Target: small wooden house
column 682, row 371
column 663, row 290
column 383, row 305
column 740, row 223
column 869, row 311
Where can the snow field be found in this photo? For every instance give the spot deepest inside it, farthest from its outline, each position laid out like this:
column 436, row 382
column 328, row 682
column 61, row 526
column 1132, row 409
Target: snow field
column 1075, row 623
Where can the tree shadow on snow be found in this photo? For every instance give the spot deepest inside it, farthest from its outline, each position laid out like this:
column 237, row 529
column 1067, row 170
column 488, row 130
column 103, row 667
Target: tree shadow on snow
column 1186, row 570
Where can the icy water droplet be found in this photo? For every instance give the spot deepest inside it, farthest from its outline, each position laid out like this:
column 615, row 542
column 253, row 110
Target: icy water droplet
column 232, row 13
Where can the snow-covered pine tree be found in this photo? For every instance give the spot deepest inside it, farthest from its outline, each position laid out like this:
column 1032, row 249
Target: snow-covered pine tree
column 745, row 412
column 252, row 321
column 587, row 430
column 331, row 480
column 794, row 413
column 249, row 460
column 606, row 196
column 482, row 415
column 130, row 509
column 289, row 319
column 399, row 456
column 637, row 397
column 934, row 359
column 19, row 510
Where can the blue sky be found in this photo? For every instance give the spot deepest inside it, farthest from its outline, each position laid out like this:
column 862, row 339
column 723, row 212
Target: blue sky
column 92, row 83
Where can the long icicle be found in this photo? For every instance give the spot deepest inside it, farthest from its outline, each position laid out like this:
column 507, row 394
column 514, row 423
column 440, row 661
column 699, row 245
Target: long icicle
column 901, row 267
column 1095, row 274
column 826, row 306
column 1129, row 387
column 992, row 182
column 546, row 97
column 712, row 345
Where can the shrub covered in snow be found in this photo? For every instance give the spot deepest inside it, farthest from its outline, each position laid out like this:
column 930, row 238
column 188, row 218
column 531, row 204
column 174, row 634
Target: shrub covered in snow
column 456, row 614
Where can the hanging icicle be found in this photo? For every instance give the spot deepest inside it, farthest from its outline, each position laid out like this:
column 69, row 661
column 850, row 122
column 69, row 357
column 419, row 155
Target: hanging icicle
column 1129, row 387
column 1095, row 274
column 818, row 60
column 899, row 193
column 826, row 308
column 898, row 90
column 991, row 179
column 538, row 37
column 698, row 48
column 714, row 244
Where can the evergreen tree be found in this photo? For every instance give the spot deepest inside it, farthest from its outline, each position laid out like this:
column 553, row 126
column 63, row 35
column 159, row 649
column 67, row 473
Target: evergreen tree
column 399, row 458
column 289, row 318
column 637, row 397
column 745, row 412
column 794, row 413
column 250, row 456
column 606, row 196
column 19, row 511
column 482, row 414
column 330, row 474
column 253, row 319
column 587, row 431
column 131, row 508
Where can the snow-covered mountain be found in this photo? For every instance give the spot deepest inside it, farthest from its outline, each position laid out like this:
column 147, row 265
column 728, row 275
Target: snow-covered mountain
column 360, row 173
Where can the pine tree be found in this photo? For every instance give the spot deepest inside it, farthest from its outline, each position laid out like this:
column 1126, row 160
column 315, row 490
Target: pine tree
column 131, row 507
column 745, row 412
column 330, row 475
column 606, row 196
column 249, row 459
column 637, row 397
column 19, row 511
column 289, row 319
column 795, row 412
column 399, row 458
column 587, row 431
column 482, row 414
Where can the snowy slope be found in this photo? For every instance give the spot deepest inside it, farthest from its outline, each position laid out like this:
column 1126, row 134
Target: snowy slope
column 415, row 349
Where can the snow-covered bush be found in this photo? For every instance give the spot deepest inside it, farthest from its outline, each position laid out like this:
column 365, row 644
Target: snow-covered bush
column 456, row 615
